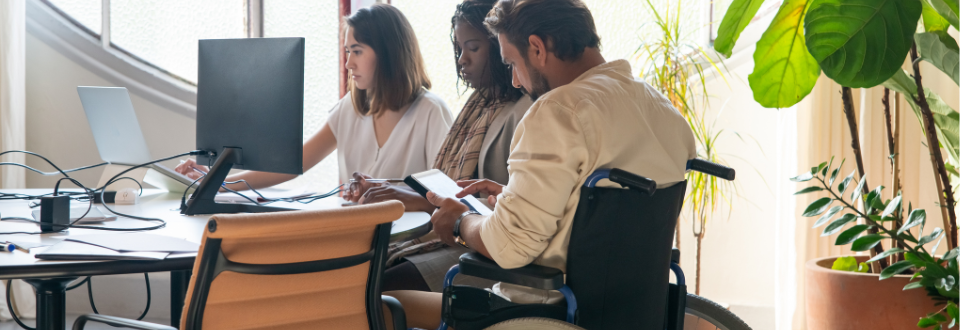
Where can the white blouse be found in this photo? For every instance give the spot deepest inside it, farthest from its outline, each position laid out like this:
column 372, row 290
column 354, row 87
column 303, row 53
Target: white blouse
column 412, row 146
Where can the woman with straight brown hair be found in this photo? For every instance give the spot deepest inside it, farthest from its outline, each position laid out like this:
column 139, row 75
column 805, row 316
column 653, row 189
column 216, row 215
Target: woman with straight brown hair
column 388, row 125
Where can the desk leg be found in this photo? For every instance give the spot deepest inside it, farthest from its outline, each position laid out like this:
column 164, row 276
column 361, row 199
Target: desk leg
column 179, row 281
column 51, row 302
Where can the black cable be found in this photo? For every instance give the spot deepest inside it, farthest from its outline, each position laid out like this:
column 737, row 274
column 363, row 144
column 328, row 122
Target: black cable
column 56, row 191
column 12, row 311
column 146, row 277
column 53, row 173
column 38, row 155
column 78, row 284
column 115, row 178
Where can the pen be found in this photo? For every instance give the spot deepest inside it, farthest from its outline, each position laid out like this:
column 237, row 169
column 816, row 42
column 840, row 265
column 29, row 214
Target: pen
column 18, row 247
column 380, row 180
column 8, row 247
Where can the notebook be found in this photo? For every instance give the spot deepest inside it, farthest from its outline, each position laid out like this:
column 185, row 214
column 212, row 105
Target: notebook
column 70, row 250
column 434, row 180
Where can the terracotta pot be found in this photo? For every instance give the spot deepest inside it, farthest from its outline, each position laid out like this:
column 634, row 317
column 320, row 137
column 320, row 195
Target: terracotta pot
column 849, row 300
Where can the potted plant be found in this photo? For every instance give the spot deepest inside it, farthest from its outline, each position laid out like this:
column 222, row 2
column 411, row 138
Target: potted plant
column 677, row 69
column 862, row 44
column 836, row 290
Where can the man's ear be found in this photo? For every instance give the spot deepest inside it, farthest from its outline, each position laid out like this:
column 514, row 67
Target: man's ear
column 537, row 52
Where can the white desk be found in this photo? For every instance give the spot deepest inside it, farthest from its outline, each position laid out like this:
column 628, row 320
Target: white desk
column 51, row 277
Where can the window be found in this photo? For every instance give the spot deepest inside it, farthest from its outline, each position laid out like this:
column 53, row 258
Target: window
column 164, row 34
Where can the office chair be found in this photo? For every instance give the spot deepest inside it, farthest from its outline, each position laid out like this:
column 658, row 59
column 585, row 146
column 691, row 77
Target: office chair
column 619, row 259
column 291, row 270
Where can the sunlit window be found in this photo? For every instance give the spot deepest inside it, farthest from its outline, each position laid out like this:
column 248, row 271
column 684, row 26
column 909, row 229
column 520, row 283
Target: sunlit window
column 165, row 32
column 85, row 12
column 318, row 22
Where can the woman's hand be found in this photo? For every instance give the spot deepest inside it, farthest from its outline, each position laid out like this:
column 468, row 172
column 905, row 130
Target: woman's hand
column 358, row 187
column 485, row 186
column 412, row 201
column 187, row 168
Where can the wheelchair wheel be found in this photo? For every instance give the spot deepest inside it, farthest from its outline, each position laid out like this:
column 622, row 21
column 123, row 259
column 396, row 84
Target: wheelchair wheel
column 534, row 323
column 703, row 314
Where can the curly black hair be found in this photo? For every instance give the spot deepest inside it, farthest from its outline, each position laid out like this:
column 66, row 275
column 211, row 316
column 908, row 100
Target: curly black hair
column 473, row 12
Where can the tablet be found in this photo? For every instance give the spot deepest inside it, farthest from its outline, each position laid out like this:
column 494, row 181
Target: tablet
column 440, row 184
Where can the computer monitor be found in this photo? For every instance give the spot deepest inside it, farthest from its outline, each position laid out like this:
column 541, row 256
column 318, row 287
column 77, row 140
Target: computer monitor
column 249, row 114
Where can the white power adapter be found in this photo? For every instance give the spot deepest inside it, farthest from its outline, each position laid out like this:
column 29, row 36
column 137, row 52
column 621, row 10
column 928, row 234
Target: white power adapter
column 127, row 196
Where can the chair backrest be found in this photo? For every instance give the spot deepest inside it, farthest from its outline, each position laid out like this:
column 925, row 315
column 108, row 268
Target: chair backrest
column 618, row 259
column 291, row 270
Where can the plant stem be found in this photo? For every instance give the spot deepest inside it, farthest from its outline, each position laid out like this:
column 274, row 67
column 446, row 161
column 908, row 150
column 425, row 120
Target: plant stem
column 933, row 144
column 891, row 147
column 895, row 170
column 847, row 96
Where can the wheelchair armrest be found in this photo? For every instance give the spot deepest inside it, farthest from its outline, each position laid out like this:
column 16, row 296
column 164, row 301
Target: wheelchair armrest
column 114, row 321
column 534, row 276
column 675, row 255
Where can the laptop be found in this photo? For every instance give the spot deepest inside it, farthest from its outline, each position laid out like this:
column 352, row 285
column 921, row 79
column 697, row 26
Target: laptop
column 118, row 135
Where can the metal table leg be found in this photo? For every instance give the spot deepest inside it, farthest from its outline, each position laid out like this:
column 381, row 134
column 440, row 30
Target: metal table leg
column 179, row 281
column 51, row 302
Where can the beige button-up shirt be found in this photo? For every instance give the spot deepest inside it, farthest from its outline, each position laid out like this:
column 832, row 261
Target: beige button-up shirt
column 605, row 118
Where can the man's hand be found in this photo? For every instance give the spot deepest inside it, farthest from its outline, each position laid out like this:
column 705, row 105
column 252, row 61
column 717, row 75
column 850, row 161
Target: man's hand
column 485, row 186
column 412, row 201
column 360, row 186
column 445, row 216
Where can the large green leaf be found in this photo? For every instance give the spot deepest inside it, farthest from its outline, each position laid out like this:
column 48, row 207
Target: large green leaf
column 861, row 43
column 932, row 21
column 827, row 216
column 738, row 15
column 784, row 72
column 947, row 9
column 866, row 242
column 940, row 49
column 946, row 120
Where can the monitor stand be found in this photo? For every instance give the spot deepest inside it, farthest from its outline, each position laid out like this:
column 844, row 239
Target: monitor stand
column 202, row 200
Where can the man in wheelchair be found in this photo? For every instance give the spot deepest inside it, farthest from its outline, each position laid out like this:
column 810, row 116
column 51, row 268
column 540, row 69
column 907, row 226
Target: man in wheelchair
column 588, row 115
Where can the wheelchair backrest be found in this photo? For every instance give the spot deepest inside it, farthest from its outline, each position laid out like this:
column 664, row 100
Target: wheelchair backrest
column 618, row 259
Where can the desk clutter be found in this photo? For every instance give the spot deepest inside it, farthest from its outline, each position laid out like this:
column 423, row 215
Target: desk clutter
column 127, row 246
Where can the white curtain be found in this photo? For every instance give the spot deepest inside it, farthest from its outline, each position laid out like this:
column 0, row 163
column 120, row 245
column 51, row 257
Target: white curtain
column 12, row 124
column 12, row 90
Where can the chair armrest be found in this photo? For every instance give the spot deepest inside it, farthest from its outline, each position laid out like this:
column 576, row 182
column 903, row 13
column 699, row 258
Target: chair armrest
column 396, row 312
column 534, row 276
column 117, row 322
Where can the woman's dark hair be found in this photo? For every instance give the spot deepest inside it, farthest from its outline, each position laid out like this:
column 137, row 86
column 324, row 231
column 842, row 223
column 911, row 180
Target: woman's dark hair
column 473, row 12
column 568, row 24
column 400, row 75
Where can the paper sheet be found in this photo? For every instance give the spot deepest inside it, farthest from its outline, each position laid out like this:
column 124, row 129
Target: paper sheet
column 138, row 242
column 69, row 250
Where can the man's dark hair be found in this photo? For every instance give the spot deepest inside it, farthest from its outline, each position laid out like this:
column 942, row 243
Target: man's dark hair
column 567, row 24
column 473, row 12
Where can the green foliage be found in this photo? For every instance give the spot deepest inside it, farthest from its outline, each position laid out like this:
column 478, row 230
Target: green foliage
column 849, row 264
column 866, row 46
column 947, row 9
column 940, row 49
column 937, row 276
column 932, row 21
column 734, row 21
column 784, row 72
column 678, row 70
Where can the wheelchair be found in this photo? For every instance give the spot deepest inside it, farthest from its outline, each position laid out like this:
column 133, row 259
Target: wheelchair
column 618, row 268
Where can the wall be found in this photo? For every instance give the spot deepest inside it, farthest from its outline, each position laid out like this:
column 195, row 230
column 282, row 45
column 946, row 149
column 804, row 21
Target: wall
column 57, row 128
